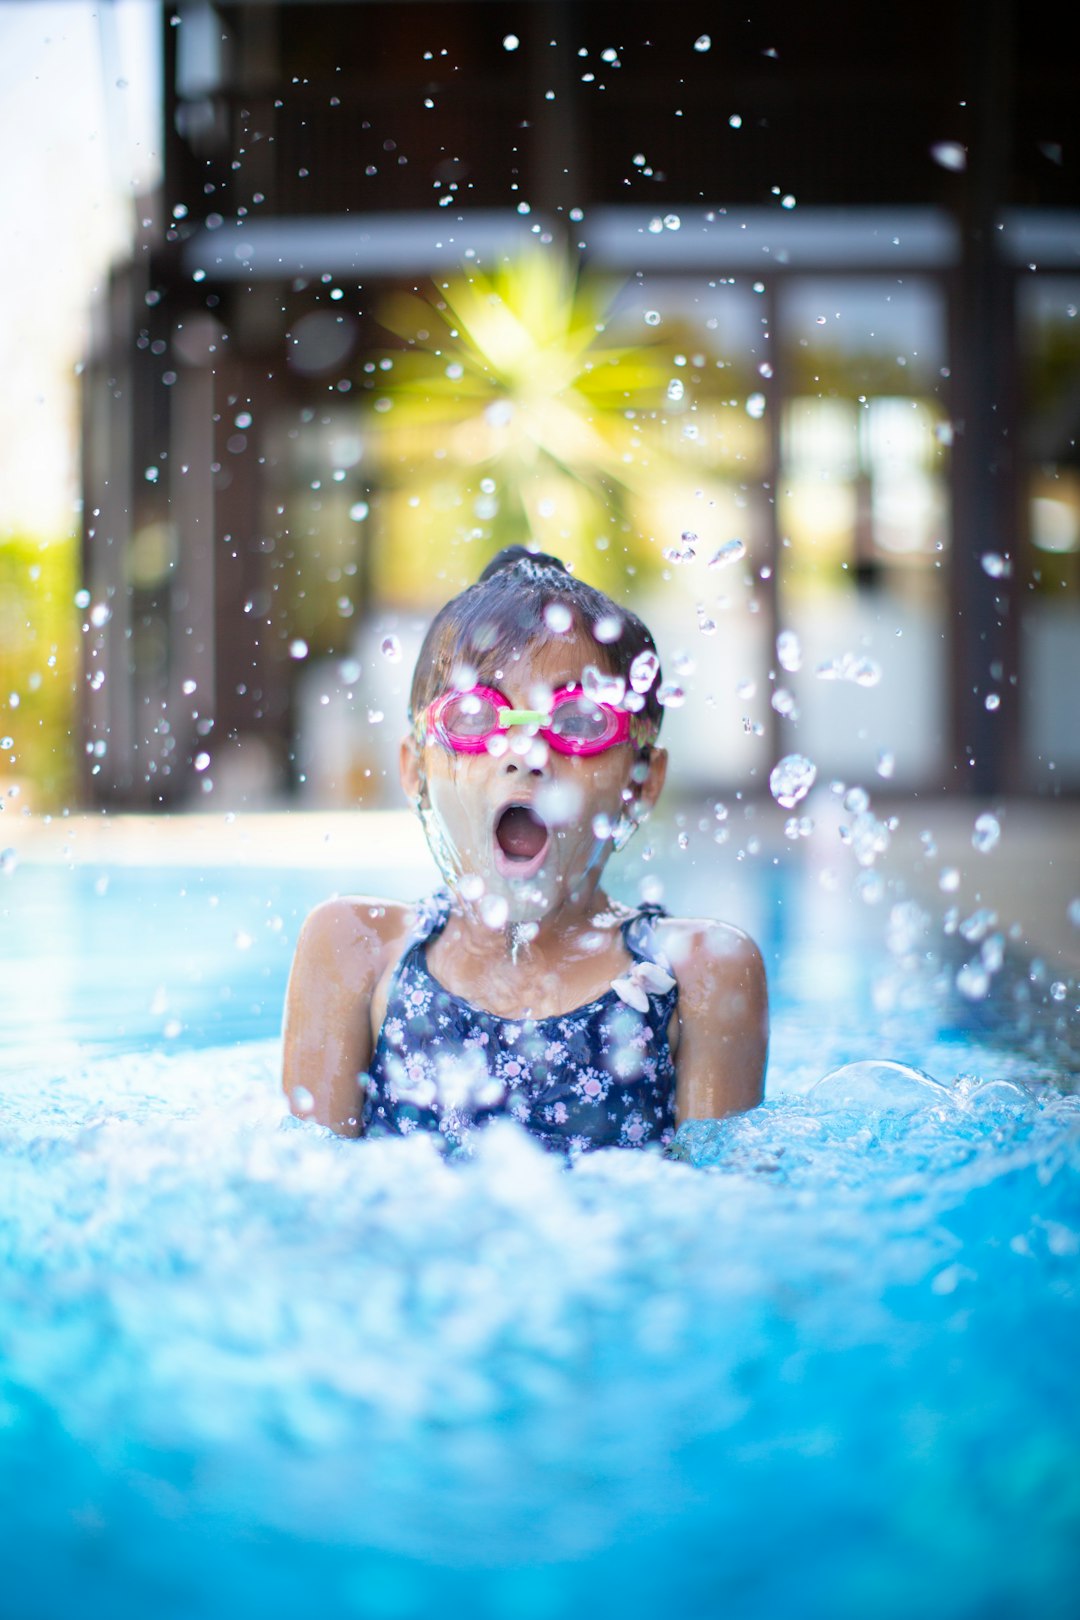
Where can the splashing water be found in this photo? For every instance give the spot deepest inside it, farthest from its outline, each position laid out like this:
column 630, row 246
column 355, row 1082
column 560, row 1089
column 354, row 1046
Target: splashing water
column 643, row 671
column 558, row 618
column 791, row 780
column 986, row 833
column 685, row 551
column 730, row 552
column 789, row 651
column 842, row 1324
column 602, row 687
column 860, row 671
column 671, row 694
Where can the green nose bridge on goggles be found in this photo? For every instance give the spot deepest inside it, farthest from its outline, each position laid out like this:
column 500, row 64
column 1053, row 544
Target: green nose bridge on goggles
column 522, row 717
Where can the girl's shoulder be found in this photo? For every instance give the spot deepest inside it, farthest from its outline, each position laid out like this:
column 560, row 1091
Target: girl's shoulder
column 352, row 938
column 704, row 950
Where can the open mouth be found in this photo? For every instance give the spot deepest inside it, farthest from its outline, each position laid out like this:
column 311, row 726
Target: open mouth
column 521, row 835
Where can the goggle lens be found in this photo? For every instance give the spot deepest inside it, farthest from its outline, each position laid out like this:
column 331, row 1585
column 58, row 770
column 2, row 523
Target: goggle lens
column 470, row 716
column 579, row 720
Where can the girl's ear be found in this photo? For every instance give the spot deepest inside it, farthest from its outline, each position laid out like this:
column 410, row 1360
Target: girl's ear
column 409, row 769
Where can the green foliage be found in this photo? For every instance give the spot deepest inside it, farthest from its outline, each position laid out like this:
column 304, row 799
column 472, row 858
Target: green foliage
column 38, row 664
column 520, row 409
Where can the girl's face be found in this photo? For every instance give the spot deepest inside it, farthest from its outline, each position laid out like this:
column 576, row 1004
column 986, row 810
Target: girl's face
column 521, row 833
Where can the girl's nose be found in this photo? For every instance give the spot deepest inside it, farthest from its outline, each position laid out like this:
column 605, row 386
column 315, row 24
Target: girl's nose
column 533, row 760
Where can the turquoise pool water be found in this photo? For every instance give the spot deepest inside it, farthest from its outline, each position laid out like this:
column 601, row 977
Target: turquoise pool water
column 822, row 1364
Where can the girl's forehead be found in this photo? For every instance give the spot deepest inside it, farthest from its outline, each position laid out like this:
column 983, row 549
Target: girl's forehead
column 555, row 662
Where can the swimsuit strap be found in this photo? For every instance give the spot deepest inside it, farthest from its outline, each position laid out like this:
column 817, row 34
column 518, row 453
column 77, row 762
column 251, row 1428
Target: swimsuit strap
column 432, row 914
column 639, row 935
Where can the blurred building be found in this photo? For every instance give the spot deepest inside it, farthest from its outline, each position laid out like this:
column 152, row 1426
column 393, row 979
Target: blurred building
column 866, row 219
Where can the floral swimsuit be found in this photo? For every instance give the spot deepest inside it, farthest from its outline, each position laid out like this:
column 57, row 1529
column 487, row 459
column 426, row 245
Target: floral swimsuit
column 599, row 1076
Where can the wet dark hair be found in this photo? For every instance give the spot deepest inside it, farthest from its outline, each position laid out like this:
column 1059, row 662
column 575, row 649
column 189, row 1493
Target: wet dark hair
column 503, row 613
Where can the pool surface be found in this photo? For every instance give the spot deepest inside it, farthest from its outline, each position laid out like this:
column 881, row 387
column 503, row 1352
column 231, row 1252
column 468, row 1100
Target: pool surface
column 822, row 1363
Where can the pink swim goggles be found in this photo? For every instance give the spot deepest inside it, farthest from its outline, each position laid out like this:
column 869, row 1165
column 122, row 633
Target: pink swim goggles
column 465, row 722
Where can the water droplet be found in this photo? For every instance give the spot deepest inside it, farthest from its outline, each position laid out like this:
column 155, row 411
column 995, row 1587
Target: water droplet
column 9, row 860
column 992, row 702
column 861, row 671
column 886, row 763
column 973, row 981
column 1074, row 912
column 865, row 672
column 560, row 803
column 683, row 664
column 349, row 670
column 100, row 614
column 798, row 827
column 703, row 43
column 510, row 42
column 755, row 406
column 298, row 649
column 643, row 670
column 949, row 881
column 784, row 703
column 995, row 565
column 600, row 686
column 201, row 761
column 82, row 599
column 375, row 717
column 602, row 825
column 652, row 317
column 390, row 647
column 302, row 1100
column 670, row 695
column 651, row 890
column 870, row 887
column 471, row 886
column 242, row 940
column 789, row 651
column 950, row 155
column 494, row 909
column 675, row 390
column 6, row 743
column 765, row 369
column 558, row 618
column 188, row 687
column 358, row 511
column 685, row 552
column 607, row 629
column 731, row 551
column 735, row 121
column 986, row 833
column 791, row 779
column 1059, row 990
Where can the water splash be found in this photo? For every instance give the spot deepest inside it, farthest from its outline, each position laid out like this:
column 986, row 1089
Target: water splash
column 791, row 780
column 986, row 833
column 731, row 551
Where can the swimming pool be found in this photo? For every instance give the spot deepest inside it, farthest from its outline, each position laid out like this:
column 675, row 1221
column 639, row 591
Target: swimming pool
column 250, row 1368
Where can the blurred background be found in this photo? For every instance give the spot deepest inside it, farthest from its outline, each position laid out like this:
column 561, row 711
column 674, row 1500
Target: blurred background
column 764, row 317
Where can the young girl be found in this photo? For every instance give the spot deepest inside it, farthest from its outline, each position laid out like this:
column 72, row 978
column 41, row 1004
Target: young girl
column 521, row 989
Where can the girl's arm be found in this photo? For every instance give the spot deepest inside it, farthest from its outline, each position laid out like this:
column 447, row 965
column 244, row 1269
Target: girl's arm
column 723, row 1014
column 327, row 1028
